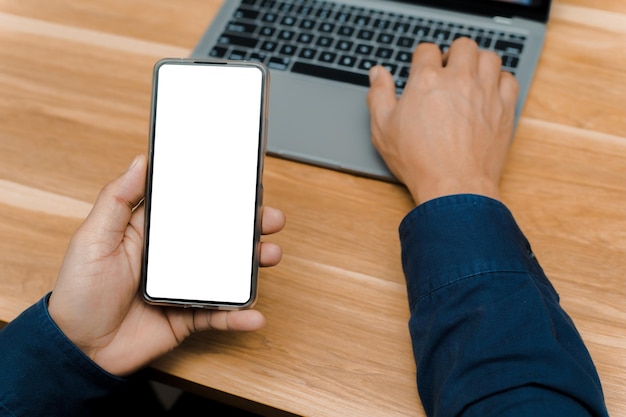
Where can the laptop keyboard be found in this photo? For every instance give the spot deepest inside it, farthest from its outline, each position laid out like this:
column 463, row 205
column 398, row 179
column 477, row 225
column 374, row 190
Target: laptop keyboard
column 342, row 42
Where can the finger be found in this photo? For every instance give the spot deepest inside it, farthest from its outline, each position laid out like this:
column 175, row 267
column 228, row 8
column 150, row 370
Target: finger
column 270, row 254
column 426, row 65
column 382, row 92
column 509, row 88
column 489, row 67
column 115, row 203
column 381, row 97
column 134, row 233
column 463, row 54
column 426, row 55
column 240, row 321
column 272, row 221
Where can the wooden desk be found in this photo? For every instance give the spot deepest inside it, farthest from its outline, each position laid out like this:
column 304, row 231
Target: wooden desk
column 74, row 106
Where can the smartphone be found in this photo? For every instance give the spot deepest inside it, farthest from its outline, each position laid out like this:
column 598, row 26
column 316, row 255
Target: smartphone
column 204, row 183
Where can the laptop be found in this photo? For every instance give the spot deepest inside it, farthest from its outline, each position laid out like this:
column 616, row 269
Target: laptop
column 319, row 53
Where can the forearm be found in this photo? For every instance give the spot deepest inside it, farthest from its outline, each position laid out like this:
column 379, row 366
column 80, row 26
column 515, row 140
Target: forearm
column 489, row 335
column 43, row 374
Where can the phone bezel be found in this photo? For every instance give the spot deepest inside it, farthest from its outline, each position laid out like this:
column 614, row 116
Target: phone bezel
column 262, row 148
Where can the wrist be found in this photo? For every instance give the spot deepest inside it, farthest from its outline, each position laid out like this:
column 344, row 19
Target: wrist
column 423, row 191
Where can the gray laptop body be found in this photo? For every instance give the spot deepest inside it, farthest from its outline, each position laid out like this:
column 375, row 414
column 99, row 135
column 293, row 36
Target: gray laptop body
column 323, row 120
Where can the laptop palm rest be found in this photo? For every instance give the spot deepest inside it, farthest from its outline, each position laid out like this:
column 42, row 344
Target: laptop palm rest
column 337, row 138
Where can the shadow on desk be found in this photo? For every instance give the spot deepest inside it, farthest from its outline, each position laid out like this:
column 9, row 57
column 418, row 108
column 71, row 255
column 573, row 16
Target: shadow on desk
column 142, row 397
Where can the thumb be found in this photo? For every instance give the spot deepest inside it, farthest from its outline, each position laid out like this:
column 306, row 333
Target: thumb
column 381, row 98
column 115, row 203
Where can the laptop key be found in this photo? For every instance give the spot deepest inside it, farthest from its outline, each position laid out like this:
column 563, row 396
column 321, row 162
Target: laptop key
column 345, row 31
column 324, row 41
column 366, row 35
column 381, row 24
column 328, row 57
column 361, row 20
column 331, row 73
column 514, row 48
column 267, row 31
column 237, row 55
column 403, row 56
column 342, row 45
column 401, row 27
column 279, row 63
column 238, row 40
column 305, row 38
column 269, row 46
column 241, row 27
column 288, row 21
column 308, row 53
column 343, row 17
column 326, row 27
column 385, row 38
column 421, row 31
column 307, row 24
column 510, row 61
column 392, row 68
column 286, row 35
column 324, row 12
column 405, row 42
column 257, row 57
column 217, row 52
column 366, row 64
column 303, row 10
column 243, row 13
column 441, row 35
column 347, row 61
column 483, row 41
column 364, row 49
column 384, row 53
column 288, row 50
column 270, row 18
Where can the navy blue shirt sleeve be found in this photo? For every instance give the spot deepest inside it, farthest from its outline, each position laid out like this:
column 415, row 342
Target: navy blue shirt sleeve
column 489, row 336
column 43, row 373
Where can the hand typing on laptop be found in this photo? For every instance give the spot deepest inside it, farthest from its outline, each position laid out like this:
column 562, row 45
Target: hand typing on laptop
column 451, row 130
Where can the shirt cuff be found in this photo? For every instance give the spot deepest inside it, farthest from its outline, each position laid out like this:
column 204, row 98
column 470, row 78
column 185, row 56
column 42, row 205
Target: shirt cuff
column 455, row 237
column 44, row 373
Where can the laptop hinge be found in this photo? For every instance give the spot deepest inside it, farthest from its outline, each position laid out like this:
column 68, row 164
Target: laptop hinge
column 503, row 20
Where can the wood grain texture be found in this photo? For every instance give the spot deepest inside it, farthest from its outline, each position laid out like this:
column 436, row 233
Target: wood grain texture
column 74, row 107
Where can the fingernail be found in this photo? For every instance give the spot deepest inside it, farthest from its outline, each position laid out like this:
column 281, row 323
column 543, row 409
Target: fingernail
column 373, row 74
column 132, row 164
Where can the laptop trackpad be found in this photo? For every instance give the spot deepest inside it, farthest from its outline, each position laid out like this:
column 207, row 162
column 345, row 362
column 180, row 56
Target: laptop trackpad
column 323, row 123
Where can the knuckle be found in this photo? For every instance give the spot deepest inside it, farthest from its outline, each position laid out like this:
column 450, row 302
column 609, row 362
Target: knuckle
column 491, row 58
column 466, row 42
column 429, row 77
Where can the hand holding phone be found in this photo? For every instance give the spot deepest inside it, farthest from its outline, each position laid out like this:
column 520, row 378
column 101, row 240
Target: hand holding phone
column 204, row 186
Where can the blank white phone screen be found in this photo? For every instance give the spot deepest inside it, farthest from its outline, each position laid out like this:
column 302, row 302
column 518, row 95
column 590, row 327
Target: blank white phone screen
column 204, row 181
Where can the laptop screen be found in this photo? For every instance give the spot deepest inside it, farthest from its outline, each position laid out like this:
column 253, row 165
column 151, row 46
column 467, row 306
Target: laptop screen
column 538, row 10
